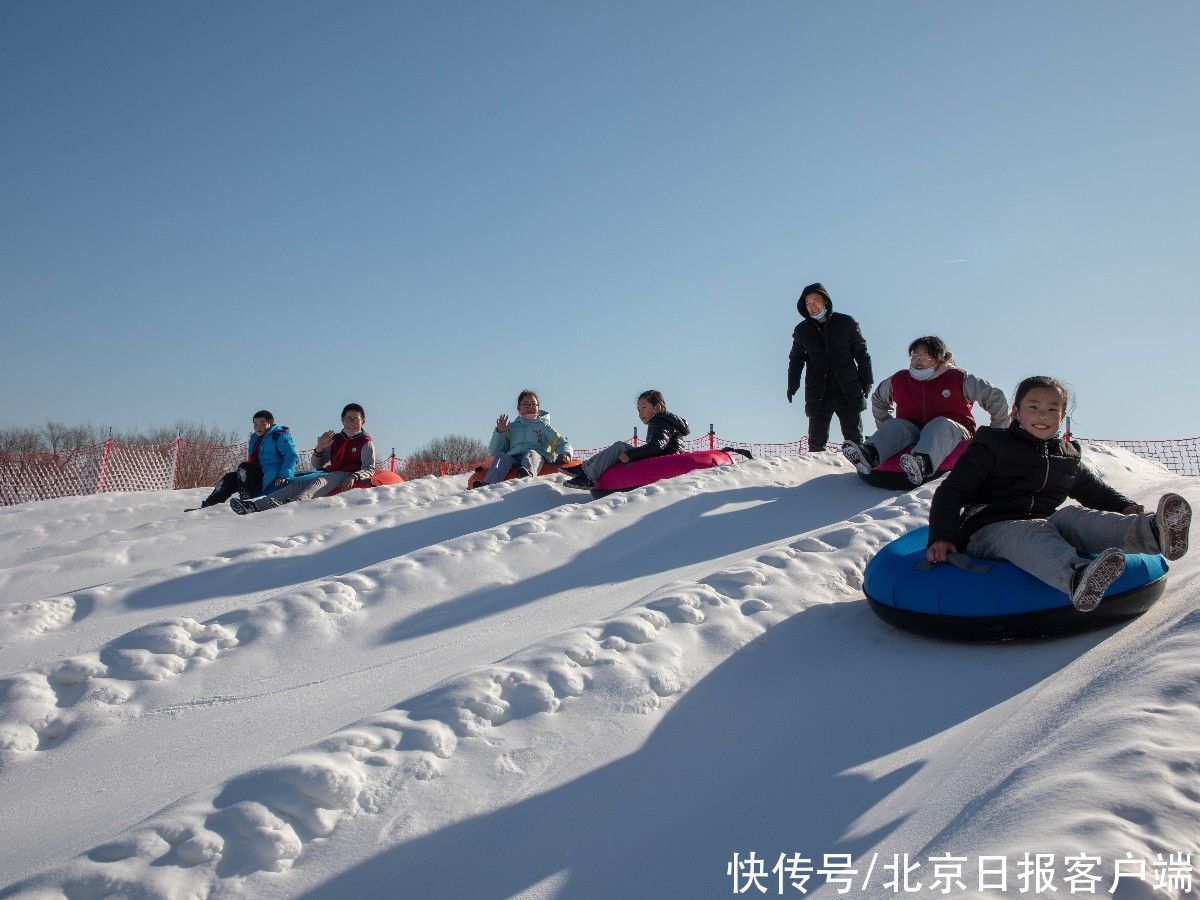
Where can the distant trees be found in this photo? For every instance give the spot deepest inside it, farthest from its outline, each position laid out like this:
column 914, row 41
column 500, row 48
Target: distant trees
column 67, row 455
column 460, row 452
column 53, row 437
column 21, row 440
column 57, row 438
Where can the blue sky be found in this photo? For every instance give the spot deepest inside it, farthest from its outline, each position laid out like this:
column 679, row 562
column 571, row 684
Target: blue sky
column 425, row 207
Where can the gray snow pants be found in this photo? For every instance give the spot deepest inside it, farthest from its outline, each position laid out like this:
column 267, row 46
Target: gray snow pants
column 530, row 460
column 1049, row 549
column 605, row 460
column 310, row 488
column 936, row 440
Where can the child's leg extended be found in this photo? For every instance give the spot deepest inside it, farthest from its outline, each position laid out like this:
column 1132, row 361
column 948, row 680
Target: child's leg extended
column 893, row 436
column 1034, row 545
column 604, row 460
column 938, row 438
column 531, row 461
column 1093, row 531
column 499, row 468
column 323, row 485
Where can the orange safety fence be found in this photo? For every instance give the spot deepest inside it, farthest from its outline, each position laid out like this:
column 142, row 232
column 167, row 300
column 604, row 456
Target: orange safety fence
column 113, row 466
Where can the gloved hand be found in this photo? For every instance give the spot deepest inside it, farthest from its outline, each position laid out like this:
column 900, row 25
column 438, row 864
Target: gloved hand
column 562, row 459
column 790, row 394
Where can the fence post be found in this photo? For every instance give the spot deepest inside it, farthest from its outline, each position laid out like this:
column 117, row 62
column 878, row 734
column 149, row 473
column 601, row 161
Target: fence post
column 712, row 438
column 392, row 461
column 175, row 459
column 445, row 465
column 635, row 435
column 103, row 485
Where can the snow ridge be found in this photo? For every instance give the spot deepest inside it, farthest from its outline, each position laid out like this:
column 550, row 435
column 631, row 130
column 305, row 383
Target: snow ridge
column 264, row 820
column 327, row 701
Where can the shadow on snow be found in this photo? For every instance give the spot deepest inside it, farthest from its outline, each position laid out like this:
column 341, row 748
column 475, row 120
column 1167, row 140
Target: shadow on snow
column 686, row 532
column 338, row 557
column 753, row 758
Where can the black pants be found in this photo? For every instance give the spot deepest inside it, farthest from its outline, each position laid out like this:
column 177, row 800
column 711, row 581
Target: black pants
column 246, row 481
column 849, row 418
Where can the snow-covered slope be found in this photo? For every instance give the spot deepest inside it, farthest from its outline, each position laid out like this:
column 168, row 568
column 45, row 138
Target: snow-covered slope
column 425, row 691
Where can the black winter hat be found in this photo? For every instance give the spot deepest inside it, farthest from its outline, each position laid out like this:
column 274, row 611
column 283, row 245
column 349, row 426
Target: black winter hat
column 816, row 287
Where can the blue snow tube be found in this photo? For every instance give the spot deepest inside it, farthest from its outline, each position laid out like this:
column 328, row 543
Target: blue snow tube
column 994, row 601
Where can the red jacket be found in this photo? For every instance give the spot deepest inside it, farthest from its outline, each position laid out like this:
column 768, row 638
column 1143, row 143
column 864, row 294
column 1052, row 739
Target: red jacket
column 345, row 454
column 920, row 402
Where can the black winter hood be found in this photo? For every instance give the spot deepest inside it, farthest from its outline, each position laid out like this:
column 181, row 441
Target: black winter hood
column 678, row 422
column 820, row 289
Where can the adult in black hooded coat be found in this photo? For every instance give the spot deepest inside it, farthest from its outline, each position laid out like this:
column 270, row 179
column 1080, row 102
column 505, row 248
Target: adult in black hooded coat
column 839, row 374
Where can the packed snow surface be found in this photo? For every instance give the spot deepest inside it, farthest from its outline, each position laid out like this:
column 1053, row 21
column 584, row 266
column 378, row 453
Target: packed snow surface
column 426, row 691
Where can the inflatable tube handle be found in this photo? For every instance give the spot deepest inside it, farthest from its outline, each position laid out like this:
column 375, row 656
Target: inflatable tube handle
column 959, row 561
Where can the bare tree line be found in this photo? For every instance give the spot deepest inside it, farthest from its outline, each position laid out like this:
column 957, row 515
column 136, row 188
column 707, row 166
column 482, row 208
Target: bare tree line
column 459, row 451
column 57, row 438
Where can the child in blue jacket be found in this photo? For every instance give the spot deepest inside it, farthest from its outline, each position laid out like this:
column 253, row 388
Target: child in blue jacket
column 276, row 453
column 246, row 480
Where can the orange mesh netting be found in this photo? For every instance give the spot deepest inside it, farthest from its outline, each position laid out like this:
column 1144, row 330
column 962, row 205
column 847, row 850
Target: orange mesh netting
column 113, row 466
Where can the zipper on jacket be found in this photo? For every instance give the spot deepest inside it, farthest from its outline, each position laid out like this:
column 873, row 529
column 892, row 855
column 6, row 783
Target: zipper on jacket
column 1045, row 478
column 828, row 370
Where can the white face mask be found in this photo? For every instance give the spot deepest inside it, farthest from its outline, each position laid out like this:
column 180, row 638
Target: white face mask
column 921, row 374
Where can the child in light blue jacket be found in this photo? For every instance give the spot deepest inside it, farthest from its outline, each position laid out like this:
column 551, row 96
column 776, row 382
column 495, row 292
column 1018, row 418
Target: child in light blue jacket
column 525, row 442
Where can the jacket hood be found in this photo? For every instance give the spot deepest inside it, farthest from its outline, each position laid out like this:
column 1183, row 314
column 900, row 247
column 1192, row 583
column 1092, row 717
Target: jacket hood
column 679, row 422
column 272, row 430
column 820, row 289
column 945, row 366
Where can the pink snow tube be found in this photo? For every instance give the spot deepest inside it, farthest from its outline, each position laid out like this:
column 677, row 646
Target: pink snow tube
column 645, row 471
column 888, row 473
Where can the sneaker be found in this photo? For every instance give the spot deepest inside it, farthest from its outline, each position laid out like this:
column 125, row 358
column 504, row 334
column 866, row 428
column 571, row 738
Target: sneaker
column 917, row 467
column 863, row 456
column 579, row 481
column 241, row 507
column 1172, row 521
column 262, row 504
column 1095, row 578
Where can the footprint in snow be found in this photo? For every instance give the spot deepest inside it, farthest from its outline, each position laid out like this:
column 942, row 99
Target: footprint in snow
column 735, row 582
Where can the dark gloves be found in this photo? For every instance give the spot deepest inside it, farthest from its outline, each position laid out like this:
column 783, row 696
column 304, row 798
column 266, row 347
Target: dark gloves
column 790, row 395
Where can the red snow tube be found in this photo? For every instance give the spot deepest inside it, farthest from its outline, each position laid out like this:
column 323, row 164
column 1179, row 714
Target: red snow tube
column 548, row 468
column 379, row 479
column 626, row 477
column 888, row 473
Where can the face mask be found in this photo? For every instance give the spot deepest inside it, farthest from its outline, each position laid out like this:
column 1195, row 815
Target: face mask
column 921, row 374
column 820, row 317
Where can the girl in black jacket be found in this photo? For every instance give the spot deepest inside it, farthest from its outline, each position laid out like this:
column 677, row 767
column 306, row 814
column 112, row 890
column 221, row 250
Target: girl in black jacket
column 1002, row 502
column 664, row 435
